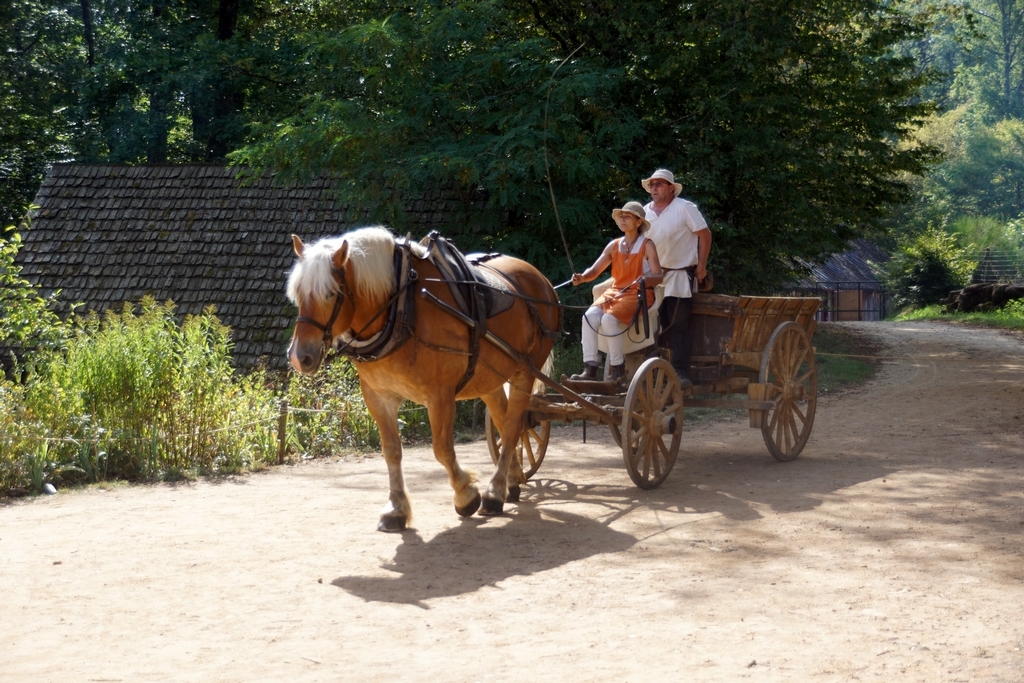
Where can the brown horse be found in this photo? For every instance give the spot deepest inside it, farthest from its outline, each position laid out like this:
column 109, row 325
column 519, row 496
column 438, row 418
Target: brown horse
column 346, row 289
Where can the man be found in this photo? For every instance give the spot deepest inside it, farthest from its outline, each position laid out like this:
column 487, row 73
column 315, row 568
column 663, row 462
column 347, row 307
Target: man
column 683, row 242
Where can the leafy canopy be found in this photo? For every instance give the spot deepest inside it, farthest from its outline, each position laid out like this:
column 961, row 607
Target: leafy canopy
column 926, row 268
column 781, row 119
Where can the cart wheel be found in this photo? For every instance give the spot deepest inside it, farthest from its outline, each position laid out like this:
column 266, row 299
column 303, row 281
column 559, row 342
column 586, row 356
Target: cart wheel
column 652, row 423
column 533, row 443
column 788, row 367
column 616, row 435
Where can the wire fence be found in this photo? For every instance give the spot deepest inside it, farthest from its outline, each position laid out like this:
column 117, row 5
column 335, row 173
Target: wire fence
column 847, row 301
column 998, row 267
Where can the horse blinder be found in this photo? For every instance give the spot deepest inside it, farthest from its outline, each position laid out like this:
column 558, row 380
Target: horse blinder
column 339, row 301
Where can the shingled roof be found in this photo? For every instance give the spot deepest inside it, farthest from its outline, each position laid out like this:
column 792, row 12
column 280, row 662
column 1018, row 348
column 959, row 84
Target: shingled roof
column 193, row 234
column 858, row 267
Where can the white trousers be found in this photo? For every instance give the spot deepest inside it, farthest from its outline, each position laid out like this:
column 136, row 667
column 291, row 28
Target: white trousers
column 595, row 320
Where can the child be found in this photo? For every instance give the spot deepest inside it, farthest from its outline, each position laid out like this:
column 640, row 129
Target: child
column 632, row 256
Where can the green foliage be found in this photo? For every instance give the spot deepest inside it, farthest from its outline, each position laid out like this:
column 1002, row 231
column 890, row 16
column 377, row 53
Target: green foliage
column 136, row 396
column 781, row 119
column 977, row 233
column 329, row 412
column 27, row 320
column 38, row 64
column 926, row 268
column 981, row 133
column 122, row 82
column 1011, row 316
column 982, row 173
column 329, row 416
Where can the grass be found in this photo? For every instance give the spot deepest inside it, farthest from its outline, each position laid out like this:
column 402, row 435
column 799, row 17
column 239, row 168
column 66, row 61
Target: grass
column 1009, row 318
column 843, row 356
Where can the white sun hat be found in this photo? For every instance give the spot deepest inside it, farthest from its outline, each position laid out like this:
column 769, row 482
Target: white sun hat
column 662, row 174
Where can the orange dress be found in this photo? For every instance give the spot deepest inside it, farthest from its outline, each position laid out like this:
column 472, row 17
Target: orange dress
column 621, row 298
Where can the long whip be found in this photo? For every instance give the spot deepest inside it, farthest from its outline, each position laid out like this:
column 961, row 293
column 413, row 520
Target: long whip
column 547, row 168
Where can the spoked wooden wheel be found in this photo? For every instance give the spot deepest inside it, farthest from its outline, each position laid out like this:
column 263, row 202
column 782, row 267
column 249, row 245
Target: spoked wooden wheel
column 652, row 423
column 616, row 435
column 788, row 367
column 533, row 444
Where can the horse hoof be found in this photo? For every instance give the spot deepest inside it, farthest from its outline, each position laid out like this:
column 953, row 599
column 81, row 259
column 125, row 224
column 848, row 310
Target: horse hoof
column 491, row 506
column 391, row 523
column 469, row 509
column 513, row 494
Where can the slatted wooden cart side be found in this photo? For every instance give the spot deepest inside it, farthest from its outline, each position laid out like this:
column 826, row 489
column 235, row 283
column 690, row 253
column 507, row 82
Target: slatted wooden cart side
column 760, row 346
column 757, row 346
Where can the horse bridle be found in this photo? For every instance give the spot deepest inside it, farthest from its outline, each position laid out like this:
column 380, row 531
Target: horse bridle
column 339, row 301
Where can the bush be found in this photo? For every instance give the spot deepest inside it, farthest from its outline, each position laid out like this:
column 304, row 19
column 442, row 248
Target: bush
column 329, row 414
column 925, row 269
column 27, row 320
column 135, row 396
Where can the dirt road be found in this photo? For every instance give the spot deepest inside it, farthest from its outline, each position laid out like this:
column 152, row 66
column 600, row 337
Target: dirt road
column 890, row 550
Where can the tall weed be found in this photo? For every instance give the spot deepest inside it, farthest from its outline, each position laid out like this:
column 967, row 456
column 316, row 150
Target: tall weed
column 329, row 414
column 136, row 396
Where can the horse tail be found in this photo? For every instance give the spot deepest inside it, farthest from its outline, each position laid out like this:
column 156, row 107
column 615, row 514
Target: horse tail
column 547, row 369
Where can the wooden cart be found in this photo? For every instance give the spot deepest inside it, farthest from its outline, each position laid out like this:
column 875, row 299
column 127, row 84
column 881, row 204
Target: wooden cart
column 756, row 346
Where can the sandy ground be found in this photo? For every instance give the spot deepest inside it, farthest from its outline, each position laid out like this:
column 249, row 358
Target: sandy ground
column 890, row 550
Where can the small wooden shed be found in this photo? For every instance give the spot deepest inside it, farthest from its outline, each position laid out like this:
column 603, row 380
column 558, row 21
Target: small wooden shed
column 848, row 283
column 193, row 234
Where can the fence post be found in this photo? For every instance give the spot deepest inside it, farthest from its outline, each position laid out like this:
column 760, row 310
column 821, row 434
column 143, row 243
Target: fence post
column 282, row 425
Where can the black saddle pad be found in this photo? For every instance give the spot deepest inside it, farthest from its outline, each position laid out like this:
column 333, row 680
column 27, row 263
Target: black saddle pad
column 466, row 279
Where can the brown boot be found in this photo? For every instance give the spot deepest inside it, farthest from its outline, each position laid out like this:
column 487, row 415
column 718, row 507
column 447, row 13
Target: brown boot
column 617, row 372
column 589, row 373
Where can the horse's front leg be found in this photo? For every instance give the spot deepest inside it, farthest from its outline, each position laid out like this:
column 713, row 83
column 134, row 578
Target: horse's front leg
column 441, row 413
column 511, row 429
column 397, row 512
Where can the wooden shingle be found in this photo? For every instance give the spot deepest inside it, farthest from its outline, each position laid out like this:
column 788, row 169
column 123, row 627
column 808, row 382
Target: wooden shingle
column 109, row 234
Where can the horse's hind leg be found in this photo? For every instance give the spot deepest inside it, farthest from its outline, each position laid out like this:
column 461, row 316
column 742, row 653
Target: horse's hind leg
column 497, row 404
column 511, row 429
column 442, row 426
column 397, row 512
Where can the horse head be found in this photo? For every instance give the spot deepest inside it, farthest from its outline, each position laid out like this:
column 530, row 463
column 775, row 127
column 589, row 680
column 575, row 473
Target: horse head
column 329, row 282
column 318, row 288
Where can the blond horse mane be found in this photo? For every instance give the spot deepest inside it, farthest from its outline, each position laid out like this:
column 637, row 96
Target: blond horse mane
column 371, row 268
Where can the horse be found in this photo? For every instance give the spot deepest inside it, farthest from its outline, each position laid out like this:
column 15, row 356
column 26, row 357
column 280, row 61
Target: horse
column 349, row 291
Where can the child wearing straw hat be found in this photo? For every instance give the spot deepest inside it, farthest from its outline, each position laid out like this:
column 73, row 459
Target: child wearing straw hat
column 631, row 257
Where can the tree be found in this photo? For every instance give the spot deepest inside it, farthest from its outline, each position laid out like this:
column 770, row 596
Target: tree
column 998, row 71
column 926, row 268
column 113, row 81
column 782, row 119
column 34, row 129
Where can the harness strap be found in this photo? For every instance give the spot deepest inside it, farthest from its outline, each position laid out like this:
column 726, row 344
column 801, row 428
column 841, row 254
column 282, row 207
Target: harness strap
column 470, row 298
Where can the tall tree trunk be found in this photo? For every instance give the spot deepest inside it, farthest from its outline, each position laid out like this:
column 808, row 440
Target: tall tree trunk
column 227, row 19
column 228, row 99
column 159, row 128
column 87, row 28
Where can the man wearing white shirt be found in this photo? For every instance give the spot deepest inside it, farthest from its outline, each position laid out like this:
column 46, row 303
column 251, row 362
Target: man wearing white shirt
column 684, row 242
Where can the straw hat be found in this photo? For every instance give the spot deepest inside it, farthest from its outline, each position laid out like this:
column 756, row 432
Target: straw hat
column 662, row 174
column 637, row 209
